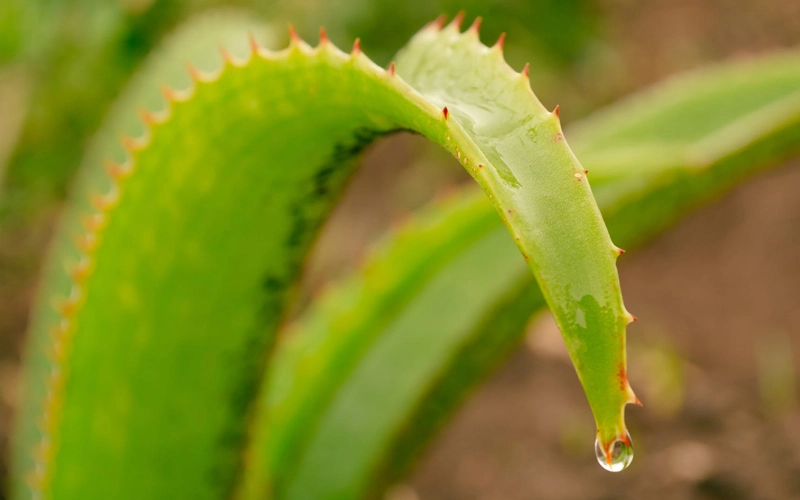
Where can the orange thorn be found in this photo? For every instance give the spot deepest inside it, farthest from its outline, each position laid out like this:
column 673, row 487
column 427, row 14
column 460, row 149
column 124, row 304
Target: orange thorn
column 445, row 112
column 323, row 35
column 391, row 69
column 526, row 71
column 585, row 171
column 168, row 93
column 476, row 25
column 129, row 143
column 634, row 319
column 439, row 22
column 293, row 34
column 103, row 202
column 458, row 19
column 357, row 46
column 65, row 307
column 620, row 251
column 254, row 46
column 114, row 170
column 194, row 72
column 557, row 111
column 227, row 58
column 93, row 222
column 501, row 41
column 147, row 117
column 636, row 401
column 86, row 242
column 80, row 270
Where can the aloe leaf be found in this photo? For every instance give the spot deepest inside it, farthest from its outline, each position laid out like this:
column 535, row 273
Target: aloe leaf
column 148, row 346
column 432, row 334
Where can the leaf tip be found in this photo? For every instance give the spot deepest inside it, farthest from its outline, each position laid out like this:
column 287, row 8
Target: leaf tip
column 168, row 93
column 129, row 143
column 78, row 271
column 323, row 36
column 114, row 170
column 293, row 37
column 438, row 23
column 356, row 47
column 85, row 242
column 101, row 203
column 227, row 57
column 458, row 20
column 557, row 111
column 252, row 42
column 501, row 42
column 147, row 117
column 391, row 69
column 526, row 71
column 475, row 27
column 195, row 73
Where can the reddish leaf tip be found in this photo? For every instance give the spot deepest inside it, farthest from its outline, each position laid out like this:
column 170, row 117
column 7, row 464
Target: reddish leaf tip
column 193, row 71
column 357, row 46
column 168, row 93
column 439, row 22
column 445, row 112
column 501, row 41
column 557, row 111
column 113, row 170
column 293, row 34
column 128, row 143
column 323, row 35
column 93, row 222
column 253, row 43
column 147, row 117
column 227, row 58
column 458, row 19
column 475, row 27
column 526, row 71
column 391, row 69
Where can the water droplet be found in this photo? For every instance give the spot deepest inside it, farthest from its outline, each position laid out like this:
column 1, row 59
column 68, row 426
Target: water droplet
column 620, row 454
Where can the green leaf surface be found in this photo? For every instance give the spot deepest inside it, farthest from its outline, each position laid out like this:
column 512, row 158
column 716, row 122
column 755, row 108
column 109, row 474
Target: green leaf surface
column 441, row 325
column 147, row 347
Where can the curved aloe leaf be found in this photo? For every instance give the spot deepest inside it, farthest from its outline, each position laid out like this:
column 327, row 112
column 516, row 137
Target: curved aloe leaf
column 345, row 430
column 147, row 349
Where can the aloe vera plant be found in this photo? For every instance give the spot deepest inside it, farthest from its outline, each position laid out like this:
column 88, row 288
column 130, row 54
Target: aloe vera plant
column 194, row 200
column 142, row 373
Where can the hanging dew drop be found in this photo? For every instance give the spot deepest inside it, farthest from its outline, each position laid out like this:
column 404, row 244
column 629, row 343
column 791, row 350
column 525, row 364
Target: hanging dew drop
column 617, row 457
